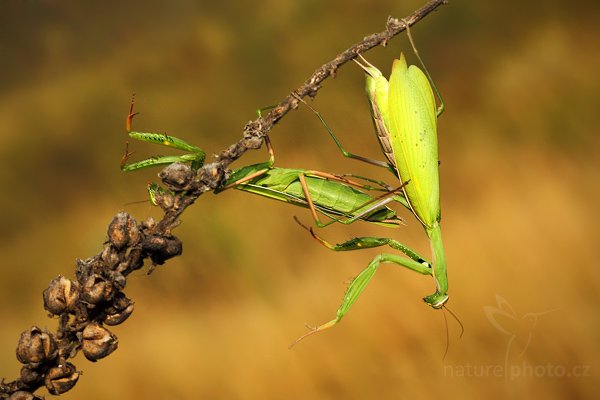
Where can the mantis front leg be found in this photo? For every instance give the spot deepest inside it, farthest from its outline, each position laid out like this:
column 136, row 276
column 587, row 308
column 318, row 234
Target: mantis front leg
column 196, row 155
column 359, row 283
column 415, row 262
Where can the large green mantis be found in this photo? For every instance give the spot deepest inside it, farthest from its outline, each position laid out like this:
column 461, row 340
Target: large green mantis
column 404, row 114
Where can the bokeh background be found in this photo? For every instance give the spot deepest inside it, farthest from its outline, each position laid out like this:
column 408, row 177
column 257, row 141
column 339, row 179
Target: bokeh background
column 519, row 156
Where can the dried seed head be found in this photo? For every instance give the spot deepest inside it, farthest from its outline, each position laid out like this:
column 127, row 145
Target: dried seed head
column 148, row 224
column 177, row 176
column 61, row 378
column 161, row 248
column 97, row 342
column 253, row 141
column 110, row 257
column 96, row 289
column 22, row 395
column 120, row 309
column 123, row 231
column 31, row 376
column 36, row 346
column 118, row 279
column 61, row 295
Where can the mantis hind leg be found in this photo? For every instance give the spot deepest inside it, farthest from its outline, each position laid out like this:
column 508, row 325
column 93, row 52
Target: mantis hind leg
column 349, row 217
column 381, row 186
column 339, row 145
column 442, row 106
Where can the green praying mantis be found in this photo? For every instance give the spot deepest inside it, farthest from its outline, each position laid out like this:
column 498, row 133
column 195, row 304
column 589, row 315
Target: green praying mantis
column 404, row 114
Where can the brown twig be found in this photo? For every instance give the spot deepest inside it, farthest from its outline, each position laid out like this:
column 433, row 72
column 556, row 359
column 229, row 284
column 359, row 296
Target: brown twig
column 85, row 307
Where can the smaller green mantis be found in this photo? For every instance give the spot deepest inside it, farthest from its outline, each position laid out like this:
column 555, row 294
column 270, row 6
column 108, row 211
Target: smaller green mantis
column 336, row 197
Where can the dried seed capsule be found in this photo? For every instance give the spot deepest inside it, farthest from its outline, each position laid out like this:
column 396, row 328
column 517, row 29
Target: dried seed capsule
column 123, row 231
column 120, row 309
column 61, row 295
column 97, row 342
column 161, row 248
column 36, row 346
column 110, row 257
column 31, row 376
column 177, row 176
column 23, row 395
column 148, row 224
column 118, row 279
column 96, row 289
column 61, row 378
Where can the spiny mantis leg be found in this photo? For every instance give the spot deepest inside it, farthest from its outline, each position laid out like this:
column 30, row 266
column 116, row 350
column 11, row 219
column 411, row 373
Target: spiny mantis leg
column 155, row 161
column 359, row 283
column 415, row 263
column 196, row 157
column 370, row 242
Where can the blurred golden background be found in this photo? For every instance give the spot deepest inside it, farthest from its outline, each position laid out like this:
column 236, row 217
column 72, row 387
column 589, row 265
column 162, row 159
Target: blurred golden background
column 519, row 154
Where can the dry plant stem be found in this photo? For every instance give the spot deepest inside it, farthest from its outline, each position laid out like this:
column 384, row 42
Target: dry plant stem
column 85, row 306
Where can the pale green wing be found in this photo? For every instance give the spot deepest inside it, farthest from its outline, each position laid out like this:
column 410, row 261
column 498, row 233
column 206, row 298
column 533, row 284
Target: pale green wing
column 413, row 134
